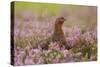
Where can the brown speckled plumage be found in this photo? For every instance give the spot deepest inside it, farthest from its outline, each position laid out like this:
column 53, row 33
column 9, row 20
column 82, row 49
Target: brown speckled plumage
column 57, row 36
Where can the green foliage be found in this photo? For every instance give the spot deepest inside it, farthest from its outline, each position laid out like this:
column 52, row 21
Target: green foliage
column 20, row 42
column 89, row 52
column 53, row 54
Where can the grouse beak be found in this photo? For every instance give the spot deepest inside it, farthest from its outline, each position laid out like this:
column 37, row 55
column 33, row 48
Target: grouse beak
column 64, row 19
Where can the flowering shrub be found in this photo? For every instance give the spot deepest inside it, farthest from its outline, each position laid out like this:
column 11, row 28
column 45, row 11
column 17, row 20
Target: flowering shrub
column 83, row 45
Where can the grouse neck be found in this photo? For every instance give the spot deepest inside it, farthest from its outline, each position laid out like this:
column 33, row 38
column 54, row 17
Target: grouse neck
column 58, row 29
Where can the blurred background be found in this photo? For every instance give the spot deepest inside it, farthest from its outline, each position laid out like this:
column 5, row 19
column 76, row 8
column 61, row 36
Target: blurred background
column 83, row 16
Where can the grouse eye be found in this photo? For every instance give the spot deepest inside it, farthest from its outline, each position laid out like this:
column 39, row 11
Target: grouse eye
column 62, row 19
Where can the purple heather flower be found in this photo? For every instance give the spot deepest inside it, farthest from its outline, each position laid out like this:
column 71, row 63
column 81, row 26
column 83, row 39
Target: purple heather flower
column 65, row 53
column 70, row 41
column 87, row 37
column 40, row 61
column 54, row 46
column 28, row 60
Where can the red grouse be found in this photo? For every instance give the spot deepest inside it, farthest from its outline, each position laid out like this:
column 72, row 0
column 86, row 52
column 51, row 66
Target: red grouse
column 57, row 36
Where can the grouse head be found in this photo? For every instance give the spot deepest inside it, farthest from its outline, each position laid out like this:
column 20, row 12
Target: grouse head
column 60, row 20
